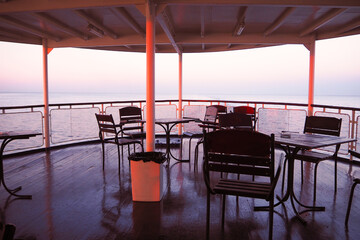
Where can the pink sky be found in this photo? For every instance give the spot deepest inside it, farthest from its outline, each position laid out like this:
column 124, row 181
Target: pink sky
column 273, row 70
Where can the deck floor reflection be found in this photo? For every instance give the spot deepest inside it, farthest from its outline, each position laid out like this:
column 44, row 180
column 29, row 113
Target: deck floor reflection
column 74, row 199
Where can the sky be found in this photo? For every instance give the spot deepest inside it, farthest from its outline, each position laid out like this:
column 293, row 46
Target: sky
column 282, row 70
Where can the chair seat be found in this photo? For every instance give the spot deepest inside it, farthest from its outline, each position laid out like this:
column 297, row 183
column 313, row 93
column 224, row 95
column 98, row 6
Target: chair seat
column 135, row 134
column 243, row 188
column 193, row 134
column 313, row 156
column 122, row 141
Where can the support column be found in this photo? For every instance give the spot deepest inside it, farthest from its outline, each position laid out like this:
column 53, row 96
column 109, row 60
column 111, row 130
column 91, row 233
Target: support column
column 46, row 94
column 150, row 76
column 180, row 92
column 311, row 48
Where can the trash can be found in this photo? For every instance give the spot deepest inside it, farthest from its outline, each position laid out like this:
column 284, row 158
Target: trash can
column 146, row 176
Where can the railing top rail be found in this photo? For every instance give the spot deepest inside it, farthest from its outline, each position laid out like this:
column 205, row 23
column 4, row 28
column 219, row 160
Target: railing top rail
column 184, row 100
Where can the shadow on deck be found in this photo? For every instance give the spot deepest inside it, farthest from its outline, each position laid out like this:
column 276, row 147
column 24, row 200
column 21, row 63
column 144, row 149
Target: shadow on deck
column 74, row 199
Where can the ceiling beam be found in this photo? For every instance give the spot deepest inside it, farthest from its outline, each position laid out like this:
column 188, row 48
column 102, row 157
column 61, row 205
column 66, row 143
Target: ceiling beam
column 125, row 16
column 324, row 3
column 49, row 5
column 166, row 24
column 221, row 38
column 46, row 5
column 28, row 28
column 348, row 27
column 240, row 24
column 96, row 23
column 279, row 21
column 64, row 27
column 327, row 17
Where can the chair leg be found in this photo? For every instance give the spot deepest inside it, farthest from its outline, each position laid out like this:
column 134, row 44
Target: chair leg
column 103, row 155
column 302, row 172
column 349, row 204
column 283, row 177
column 190, row 148
column 223, row 211
column 335, row 175
column 119, row 157
column 315, row 178
column 271, row 217
column 207, row 214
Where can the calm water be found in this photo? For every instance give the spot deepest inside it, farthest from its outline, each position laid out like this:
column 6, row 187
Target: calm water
column 16, row 99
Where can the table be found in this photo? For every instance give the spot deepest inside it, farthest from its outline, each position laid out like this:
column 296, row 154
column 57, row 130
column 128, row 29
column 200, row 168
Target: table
column 291, row 143
column 167, row 124
column 7, row 138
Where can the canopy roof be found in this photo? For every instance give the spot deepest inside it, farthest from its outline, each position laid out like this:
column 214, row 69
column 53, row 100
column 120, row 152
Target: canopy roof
column 182, row 26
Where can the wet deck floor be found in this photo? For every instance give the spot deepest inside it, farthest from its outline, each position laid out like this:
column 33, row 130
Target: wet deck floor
column 73, row 198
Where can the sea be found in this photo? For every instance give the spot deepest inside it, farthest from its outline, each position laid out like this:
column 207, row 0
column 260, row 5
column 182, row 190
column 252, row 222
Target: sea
column 36, row 98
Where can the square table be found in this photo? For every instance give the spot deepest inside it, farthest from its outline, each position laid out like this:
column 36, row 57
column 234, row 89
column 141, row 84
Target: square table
column 7, row 138
column 291, row 143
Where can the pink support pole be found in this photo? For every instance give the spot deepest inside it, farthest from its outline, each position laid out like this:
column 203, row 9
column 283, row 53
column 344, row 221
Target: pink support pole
column 311, row 48
column 180, row 92
column 150, row 76
column 46, row 94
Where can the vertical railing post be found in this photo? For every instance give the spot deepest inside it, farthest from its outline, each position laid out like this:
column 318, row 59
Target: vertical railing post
column 150, row 76
column 180, row 92
column 46, row 94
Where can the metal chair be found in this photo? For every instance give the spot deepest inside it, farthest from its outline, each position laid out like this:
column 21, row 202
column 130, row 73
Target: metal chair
column 319, row 125
column 356, row 181
column 235, row 120
column 209, row 122
column 251, row 111
column 107, row 126
column 229, row 152
column 131, row 122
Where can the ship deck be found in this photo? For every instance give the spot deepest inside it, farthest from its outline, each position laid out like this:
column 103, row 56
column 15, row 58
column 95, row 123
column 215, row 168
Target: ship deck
column 73, row 198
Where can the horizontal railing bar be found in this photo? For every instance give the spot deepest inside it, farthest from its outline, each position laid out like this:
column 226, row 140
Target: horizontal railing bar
column 184, row 100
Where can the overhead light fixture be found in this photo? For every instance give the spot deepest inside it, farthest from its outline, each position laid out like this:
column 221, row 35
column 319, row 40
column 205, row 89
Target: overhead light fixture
column 239, row 28
column 94, row 30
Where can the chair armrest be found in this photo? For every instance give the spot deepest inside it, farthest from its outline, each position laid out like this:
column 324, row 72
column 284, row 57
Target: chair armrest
column 355, row 154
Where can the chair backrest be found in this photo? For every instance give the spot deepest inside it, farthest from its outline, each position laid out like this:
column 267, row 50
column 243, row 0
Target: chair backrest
column 236, row 120
column 237, row 151
column 323, row 125
column 128, row 117
column 130, row 113
column 221, row 109
column 211, row 114
column 106, row 124
column 244, row 109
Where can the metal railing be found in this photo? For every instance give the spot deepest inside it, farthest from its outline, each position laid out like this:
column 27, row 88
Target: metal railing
column 75, row 122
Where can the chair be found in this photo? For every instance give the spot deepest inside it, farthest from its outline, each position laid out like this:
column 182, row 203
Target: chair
column 221, row 108
column 320, row 125
column 131, row 123
column 247, row 110
column 235, row 120
column 107, row 126
column 209, row 121
column 356, row 181
column 232, row 152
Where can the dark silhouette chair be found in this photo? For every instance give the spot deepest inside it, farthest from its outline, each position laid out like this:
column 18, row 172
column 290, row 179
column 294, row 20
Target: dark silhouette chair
column 356, row 182
column 319, row 125
column 107, row 126
column 247, row 110
column 235, row 120
column 131, row 122
column 208, row 123
column 229, row 152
